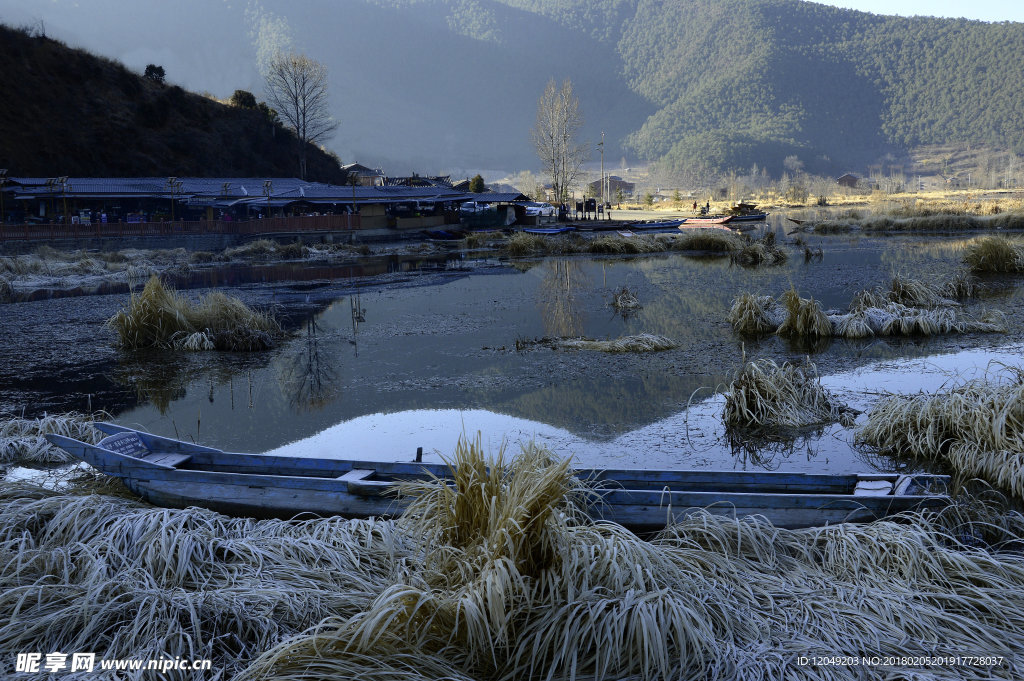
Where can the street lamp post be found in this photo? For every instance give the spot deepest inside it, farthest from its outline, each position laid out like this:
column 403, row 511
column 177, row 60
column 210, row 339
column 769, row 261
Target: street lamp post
column 268, row 188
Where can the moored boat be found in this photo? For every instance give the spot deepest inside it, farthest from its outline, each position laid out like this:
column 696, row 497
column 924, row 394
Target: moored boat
column 708, row 220
column 548, row 230
column 178, row 474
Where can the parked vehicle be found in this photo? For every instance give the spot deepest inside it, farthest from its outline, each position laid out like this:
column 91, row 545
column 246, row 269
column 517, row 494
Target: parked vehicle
column 545, row 210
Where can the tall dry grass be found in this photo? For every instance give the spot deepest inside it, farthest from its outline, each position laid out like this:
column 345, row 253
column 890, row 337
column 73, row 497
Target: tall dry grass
column 766, row 396
column 995, row 254
column 926, row 309
column 497, row 573
column 976, row 428
column 160, row 317
column 22, row 440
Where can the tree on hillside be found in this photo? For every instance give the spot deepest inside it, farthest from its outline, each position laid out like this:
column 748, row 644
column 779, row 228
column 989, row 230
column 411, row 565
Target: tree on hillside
column 554, row 137
column 155, row 73
column 243, row 99
column 476, row 184
column 297, row 89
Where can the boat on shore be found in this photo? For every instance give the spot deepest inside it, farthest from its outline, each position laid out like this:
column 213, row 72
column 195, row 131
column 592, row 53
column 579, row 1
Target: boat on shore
column 708, row 220
column 178, row 474
column 548, row 230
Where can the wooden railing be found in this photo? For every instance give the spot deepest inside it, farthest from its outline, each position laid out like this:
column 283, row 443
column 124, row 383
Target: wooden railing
column 310, row 223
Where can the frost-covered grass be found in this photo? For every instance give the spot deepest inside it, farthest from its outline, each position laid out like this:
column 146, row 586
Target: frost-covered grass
column 160, row 317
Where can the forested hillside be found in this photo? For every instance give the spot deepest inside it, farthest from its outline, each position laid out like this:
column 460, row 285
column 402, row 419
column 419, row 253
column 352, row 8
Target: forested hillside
column 702, row 85
column 68, row 112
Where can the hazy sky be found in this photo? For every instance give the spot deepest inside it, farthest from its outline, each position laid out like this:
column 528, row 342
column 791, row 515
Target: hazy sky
column 984, row 10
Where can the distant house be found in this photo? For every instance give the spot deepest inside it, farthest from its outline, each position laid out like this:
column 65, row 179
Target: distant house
column 367, row 177
column 615, row 184
column 848, row 180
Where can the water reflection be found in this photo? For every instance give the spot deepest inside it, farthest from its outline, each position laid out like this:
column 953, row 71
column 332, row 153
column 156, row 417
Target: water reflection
column 307, row 374
column 559, row 294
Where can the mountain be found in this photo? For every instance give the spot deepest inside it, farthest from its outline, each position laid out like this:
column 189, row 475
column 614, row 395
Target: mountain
column 68, row 112
column 702, row 86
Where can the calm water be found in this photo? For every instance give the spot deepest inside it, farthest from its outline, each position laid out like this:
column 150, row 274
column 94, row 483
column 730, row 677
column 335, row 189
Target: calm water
column 377, row 367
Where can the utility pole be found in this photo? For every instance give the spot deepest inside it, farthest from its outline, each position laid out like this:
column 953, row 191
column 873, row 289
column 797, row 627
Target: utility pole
column 3, row 183
column 602, row 171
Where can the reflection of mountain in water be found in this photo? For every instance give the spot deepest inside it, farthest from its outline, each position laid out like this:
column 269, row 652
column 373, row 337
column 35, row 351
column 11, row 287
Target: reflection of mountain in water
column 602, row 408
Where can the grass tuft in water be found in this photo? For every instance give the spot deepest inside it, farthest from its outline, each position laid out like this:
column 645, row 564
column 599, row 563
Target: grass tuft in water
column 766, row 396
column 160, row 317
column 995, row 254
column 975, row 428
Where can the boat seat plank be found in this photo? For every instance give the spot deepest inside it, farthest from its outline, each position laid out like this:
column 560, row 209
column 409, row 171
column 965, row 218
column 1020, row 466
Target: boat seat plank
column 166, row 459
column 356, row 474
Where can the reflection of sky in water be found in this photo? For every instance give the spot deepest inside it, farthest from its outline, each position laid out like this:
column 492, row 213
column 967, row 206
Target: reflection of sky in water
column 693, row 438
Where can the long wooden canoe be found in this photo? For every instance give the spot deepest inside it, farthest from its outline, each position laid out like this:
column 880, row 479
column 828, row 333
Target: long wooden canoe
column 178, row 474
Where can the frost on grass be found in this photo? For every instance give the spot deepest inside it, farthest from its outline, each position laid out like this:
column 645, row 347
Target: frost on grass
column 909, row 307
column 160, row 317
column 22, row 440
column 975, row 428
column 766, row 396
column 499, row 574
column 644, row 342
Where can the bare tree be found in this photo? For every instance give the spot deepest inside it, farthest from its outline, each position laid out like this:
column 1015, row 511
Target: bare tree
column 554, row 136
column 297, row 89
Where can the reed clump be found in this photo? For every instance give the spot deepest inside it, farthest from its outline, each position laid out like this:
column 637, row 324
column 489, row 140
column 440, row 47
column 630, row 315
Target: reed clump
column 625, row 301
column 706, row 239
column 22, row 440
column 763, row 251
column 160, row 317
column 804, row 318
column 524, row 243
column 765, row 396
column 995, row 254
column 927, row 310
column 6, row 290
column 267, row 249
column 975, row 428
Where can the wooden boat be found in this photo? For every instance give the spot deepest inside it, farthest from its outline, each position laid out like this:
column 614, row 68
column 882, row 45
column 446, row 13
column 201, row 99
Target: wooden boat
column 659, row 225
column 179, row 474
column 747, row 212
column 548, row 230
column 709, row 220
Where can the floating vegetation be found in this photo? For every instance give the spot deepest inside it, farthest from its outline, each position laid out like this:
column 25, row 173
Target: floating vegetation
column 995, row 254
column 763, row 251
column 644, row 342
column 873, row 312
column 499, row 576
column 976, row 428
column 766, row 396
column 625, row 301
column 160, row 317
column 22, row 439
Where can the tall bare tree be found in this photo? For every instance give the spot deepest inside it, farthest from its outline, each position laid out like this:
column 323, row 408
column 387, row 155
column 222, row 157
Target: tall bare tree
column 297, row 89
column 554, row 136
